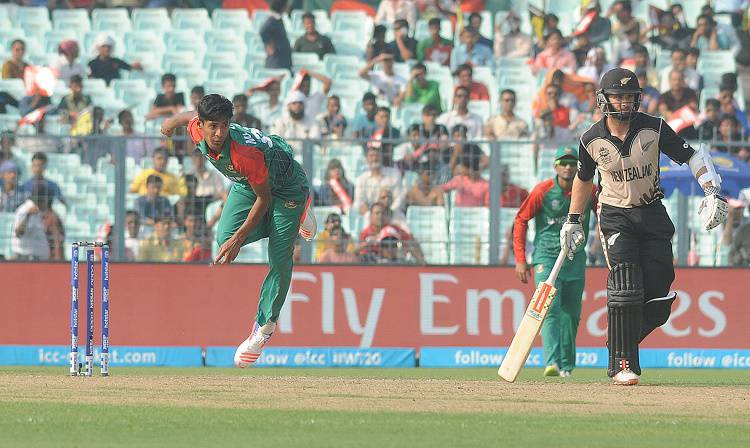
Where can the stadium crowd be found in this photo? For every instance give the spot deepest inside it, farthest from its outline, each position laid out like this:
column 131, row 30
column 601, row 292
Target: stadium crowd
column 418, row 94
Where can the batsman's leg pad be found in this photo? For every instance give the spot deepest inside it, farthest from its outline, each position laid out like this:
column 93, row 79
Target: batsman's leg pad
column 625, row 315
column 656, row 313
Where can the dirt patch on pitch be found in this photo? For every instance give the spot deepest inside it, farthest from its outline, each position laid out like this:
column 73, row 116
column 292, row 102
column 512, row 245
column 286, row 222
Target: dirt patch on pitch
column 362, row 394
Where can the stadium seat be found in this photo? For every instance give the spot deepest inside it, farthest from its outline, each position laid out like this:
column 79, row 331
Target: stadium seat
column 429, row 226
column 6, row 233
column 237, row 23
column 71, row 19
column 469, row 235
column 154, row 19
column 14, row 87
column 114, row 20
column 33, row 13
column 481, row 108
column 225, row 87
column 9, row 122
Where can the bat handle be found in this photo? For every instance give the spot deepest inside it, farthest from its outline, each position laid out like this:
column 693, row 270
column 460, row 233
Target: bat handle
column 556, row 268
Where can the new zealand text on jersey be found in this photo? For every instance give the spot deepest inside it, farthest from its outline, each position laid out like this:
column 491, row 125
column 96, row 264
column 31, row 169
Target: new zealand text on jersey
column 633, row 173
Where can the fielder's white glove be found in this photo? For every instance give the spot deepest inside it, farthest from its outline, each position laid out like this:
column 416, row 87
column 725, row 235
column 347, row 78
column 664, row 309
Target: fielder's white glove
column 571, row 235
column 713, row 209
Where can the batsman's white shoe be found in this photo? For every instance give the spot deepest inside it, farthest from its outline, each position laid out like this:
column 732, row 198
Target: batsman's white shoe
column 625, row 377
column 249, row 350
column 552, row 370
column 565, row 373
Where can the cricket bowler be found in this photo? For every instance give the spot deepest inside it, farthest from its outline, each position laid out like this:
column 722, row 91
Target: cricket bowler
column 269, row 198
column 634, row 227
column 548, row 205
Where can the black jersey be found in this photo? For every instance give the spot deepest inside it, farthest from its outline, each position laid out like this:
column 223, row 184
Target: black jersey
column 629, row 170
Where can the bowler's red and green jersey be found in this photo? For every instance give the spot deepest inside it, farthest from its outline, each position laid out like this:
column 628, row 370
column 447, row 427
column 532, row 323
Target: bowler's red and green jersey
column 250, row 157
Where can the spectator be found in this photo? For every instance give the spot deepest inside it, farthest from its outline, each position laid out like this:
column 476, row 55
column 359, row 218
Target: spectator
column 421, row 90
column 642, row 62
column 270, row 109
column 324, row 240
column 391, row 10
column 34, row 226
column 560, row 113
column 72, row 104
column 380, row 228
column 625, row 23
column 336, row 189
column 403, row 47
column 137, row 145
column 386, row 84
column 548, row 135
column 132, row 230
column 679, row 63
column 331, row 118
column 384, row 131
column 625, row 50
column 670, row 34
column 405, row 153
column 7, row 145
column 425, row 193
column 376, row 45
column 596, row 64
column 506, row 124
column 196, row 244
column 30, row 103
column 160, row 246
column 66, row 65
column 471, row 52
column 170, row 183
column 169, row 102
column 435, row 48
column 377, row 177
column 210, row 182
column 465, row 76
column 364, row 125
column 600, row 29
column 11, row 195
column 650, row 96
column 386, row 197
column 313, row 101
column 196, row 93
column 15, row 66
column 273, row 34
column 241, row 117
column 312, row 41
column 295, row 125
column 677, row 97
column 709, row 37
column 105, row 66
column 339, row 251
column 429, row 128
column 461, row 115
column 554, row 56
column 472, row 190
column 191, row 204
column 512, row 195
column 728, row 134
column 38, row 167
column 729, row 105
column 513, row 43
column 709, row 127
column 691, row 60
column 475, row 21
column 152, row 204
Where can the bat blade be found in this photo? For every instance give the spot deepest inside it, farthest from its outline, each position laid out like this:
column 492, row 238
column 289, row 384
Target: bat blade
column 520, row 347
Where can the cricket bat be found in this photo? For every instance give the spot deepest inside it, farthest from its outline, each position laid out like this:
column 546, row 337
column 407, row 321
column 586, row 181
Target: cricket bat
column 519, row 349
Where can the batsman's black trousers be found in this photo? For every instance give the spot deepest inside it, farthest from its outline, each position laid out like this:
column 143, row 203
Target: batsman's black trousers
column 641, row 235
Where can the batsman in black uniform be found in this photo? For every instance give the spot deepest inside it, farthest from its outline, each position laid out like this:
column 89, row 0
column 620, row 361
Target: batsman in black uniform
column 634, row 227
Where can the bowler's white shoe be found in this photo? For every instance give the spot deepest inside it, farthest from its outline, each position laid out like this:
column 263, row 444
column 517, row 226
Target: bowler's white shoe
column 249, row 350
column 625, row 377
column 309, row 226
column 565, row 373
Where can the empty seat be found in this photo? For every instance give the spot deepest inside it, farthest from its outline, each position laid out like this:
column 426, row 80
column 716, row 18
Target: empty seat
column 469, row 235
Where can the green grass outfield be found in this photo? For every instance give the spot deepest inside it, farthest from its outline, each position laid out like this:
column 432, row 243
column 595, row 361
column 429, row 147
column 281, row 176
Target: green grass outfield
column 161, row 407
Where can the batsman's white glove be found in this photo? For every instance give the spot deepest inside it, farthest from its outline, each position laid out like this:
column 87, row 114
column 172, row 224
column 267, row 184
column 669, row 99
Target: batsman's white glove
column 713, row 209
column 571, row 235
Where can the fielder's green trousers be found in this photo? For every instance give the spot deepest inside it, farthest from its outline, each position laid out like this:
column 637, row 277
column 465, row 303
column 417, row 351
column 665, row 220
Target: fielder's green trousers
column 280, row 225
column 560, row 327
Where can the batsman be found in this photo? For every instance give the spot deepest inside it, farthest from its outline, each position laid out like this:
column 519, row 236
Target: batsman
column 548, row 205
column 269, row 198
column 634, row 227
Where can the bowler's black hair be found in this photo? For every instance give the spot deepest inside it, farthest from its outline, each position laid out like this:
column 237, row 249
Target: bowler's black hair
column 215, row 107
